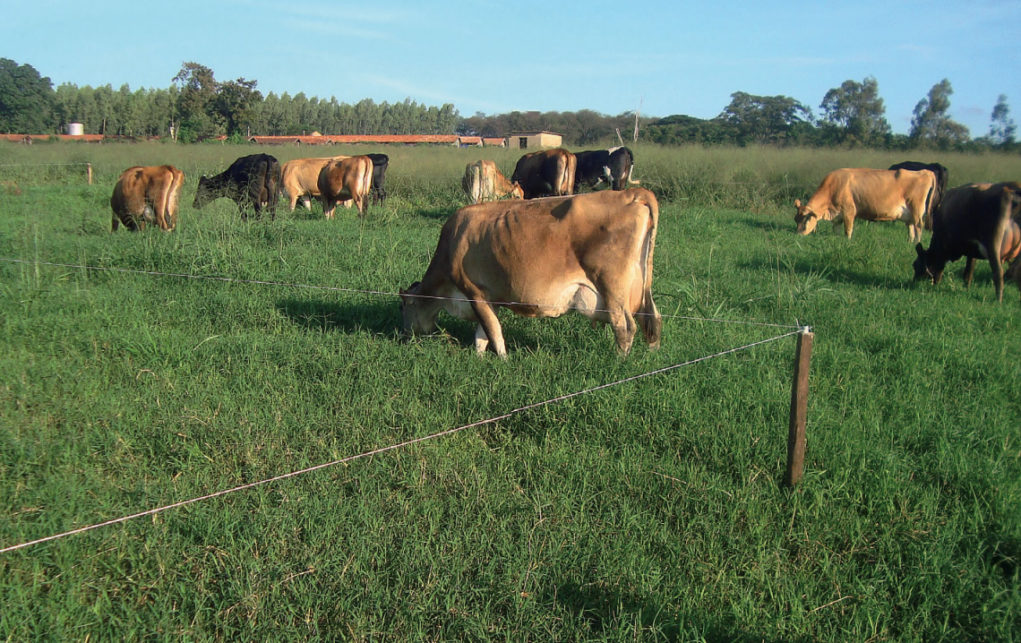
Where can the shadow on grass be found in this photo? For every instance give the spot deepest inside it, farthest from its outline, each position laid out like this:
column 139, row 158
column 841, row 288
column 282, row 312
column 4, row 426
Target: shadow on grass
column 602, row 607
column 840, row 275
column 381, row 317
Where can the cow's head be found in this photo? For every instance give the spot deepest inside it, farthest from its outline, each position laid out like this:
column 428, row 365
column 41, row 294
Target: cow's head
column 925, row 268
column 417, row 315
column 517, row 192
column 203, row 194
column 805, row 218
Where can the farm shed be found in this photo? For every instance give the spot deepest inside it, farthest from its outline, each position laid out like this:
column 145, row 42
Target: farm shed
column 523, row 140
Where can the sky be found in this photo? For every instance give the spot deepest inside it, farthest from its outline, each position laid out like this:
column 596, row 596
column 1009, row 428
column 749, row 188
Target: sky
column 658, row 57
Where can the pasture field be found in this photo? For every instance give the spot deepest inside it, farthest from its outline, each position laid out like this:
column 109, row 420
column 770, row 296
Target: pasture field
column 650, row 510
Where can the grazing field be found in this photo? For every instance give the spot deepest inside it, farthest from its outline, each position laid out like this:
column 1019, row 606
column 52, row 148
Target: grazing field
column 653, row 509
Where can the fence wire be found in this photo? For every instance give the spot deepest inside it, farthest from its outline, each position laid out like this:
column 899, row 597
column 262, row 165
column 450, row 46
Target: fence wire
column 392, row 447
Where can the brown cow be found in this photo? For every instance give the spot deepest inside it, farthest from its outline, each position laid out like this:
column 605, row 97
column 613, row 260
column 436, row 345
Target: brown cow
column 341, row 179
column 546, row 173
column 300, row 179
column 484, row 182
column 147, row 194
column 975, row 221
column 540, row 258
column 874, row 195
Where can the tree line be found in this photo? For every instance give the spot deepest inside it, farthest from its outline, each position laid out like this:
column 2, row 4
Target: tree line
column 196, row 106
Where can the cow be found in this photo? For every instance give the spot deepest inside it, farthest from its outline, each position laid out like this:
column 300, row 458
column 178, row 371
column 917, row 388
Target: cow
column 300, row 179
column 541, row 258
column 874, row 195
column 380, row 162
column 483, row 182
column 546, row 173
column 146, row 194
column 942, row 176
column 612, row 166
column 249, row 181
column 975, row 221
column 342, row 179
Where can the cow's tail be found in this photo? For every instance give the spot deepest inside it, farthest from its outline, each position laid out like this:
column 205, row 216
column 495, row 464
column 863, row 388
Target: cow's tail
column 567, row 166
column 630, row 171
column 648, row 316
column 171, row 197
column 470, row 181
column 572, row 170
column 365, row 184
column 930, row 203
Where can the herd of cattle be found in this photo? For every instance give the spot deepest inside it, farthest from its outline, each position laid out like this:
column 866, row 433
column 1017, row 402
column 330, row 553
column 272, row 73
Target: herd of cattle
column 533, row 243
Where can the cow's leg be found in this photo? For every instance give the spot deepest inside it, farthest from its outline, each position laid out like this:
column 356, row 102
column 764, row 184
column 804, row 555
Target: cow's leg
column 488, row 323
column 620, row 318
column 481, row 339
column 969, row 271
column 624, row 328
column 848, row 226
column 116, row 222
column 997, row 267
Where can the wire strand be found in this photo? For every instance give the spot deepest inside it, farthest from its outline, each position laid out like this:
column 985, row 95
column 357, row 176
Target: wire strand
column 383, row 293
column 392, row 447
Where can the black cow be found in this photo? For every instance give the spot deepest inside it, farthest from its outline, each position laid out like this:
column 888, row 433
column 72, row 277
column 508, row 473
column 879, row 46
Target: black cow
column 942, row 176
column 612, row 166
column 974, row 221
column 249, row 181
column 379, row 165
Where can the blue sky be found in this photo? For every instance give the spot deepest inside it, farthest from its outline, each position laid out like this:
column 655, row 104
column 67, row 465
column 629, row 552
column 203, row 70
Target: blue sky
column 670, row 57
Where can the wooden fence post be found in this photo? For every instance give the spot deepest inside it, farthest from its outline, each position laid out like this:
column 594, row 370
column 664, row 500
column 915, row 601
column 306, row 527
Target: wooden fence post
column 799, row 408
column 88, row 172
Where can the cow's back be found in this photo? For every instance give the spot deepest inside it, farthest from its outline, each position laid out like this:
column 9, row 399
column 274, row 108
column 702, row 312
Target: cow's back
column 550, row 241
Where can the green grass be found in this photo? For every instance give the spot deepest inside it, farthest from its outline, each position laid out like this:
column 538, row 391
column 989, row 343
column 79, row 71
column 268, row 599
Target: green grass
column 651, row 510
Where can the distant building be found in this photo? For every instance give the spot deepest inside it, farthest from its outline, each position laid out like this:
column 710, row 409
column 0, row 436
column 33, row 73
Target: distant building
column 529, row 140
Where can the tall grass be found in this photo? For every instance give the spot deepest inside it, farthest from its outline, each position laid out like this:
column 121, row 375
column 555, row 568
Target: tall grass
column 650, row 510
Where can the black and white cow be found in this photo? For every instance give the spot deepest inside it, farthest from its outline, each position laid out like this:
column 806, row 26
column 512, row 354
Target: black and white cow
column 612, row 166
column 249, row 181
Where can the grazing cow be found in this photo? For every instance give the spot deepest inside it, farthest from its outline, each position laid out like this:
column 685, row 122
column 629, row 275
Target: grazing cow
column 612, row 166
column 875, row 195
column 974, row 221
column 942, row 176
column 380, row 162
column 147, row 195
column 484, row 182
column 342, row 179
column 249, row 181
column 300, row 179
column 591, row 253
column 546, row 173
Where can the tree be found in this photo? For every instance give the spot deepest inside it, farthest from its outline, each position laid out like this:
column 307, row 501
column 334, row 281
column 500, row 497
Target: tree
column 1001, row 126
column 931, row 125
column 235, row 105
column 26, row 99
column 197, row 91
column 765, row 119
column 853, row 114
